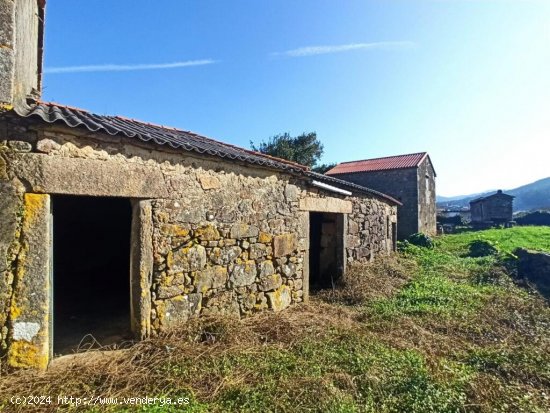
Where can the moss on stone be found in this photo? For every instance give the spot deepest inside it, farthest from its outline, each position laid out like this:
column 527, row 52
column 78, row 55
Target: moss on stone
column 170, row 259
column 34, row 204
column 220, row 276
column 280, row 299
column 23, row 353
column 242, row 230
column 162, row 216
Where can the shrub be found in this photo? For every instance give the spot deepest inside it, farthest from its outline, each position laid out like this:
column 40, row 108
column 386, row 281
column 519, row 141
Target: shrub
column 421, row 240
column 482, row 248
column 534, row 218
column 455, row 220
column 494, row 275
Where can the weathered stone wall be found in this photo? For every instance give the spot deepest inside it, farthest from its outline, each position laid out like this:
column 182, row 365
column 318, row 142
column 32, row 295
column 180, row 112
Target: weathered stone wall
column 232, row 245
column 239, row 247
column 427, row 211
column 535, row 267
column 226, row 237
column 370, row 229
column 29, row 316
column 19, row 51
column 24, row 264
column 11, row 212
column 402, row 185
column 10, row 209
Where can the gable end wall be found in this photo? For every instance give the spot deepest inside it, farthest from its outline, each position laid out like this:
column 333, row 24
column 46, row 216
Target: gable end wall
column 427, row 211
column 400, row 184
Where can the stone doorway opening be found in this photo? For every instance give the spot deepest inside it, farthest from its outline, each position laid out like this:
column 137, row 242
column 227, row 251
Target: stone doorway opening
column 394, row 236
column 326, row 250
column 91, row 271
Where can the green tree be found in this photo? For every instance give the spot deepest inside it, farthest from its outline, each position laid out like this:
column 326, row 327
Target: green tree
column 304, row 149
column 324, row 167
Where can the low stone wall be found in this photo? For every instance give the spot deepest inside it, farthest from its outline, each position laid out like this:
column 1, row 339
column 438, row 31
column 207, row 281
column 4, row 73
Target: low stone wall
column 535, row 267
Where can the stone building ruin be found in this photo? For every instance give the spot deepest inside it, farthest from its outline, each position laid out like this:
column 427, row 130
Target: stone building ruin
column 118, row 227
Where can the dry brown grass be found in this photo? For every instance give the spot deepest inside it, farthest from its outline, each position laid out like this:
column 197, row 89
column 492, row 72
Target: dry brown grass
column 364, row 282
column 210, row 357
column 141, row 369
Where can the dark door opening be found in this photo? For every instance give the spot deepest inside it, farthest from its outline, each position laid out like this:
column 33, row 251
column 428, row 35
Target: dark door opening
column 394, row 236
column 91, row 271
column 326, row 260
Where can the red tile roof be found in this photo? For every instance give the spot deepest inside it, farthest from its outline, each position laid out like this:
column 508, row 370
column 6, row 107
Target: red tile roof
column 379, row 164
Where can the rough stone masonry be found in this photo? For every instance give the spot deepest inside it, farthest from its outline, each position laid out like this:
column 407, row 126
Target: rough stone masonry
column 209, row 236
column 215, row 229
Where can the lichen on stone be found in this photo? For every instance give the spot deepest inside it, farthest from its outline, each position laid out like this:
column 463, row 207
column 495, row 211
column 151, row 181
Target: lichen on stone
column 207, row 233
column 23, row 354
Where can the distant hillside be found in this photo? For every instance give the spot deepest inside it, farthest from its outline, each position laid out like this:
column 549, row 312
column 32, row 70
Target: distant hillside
column 460, row 198
column 532, row 196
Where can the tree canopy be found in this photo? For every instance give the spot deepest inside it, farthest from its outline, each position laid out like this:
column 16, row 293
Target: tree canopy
column 304, row 149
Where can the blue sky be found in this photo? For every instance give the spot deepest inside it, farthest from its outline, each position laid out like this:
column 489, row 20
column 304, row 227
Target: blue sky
column 466, row 80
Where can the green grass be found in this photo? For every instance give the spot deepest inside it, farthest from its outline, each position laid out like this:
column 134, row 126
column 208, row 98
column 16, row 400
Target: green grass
column 344, row 372
column 508, row 239
column 443, row 286
column 442, row 332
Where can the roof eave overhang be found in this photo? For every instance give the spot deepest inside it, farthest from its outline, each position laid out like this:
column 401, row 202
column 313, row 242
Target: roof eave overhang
column 267, row 162
column 246, row 157
column 354, row 188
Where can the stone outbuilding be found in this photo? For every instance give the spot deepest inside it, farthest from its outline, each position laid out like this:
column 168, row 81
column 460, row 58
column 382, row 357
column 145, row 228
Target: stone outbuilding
column 121, row 228
column 408, row 178
column 492, row 209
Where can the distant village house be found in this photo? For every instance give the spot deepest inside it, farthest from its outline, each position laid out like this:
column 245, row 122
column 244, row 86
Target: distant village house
column 408, row 178
column 492, row 209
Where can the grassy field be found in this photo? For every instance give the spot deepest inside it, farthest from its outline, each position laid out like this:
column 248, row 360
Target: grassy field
column 430, row 330
column 536, row 238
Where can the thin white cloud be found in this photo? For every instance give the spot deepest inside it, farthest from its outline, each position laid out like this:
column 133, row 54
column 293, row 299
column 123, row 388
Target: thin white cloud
column 126, row 68
column 317, row 50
